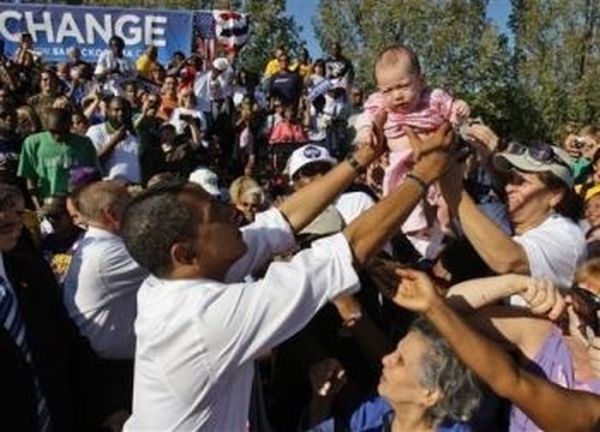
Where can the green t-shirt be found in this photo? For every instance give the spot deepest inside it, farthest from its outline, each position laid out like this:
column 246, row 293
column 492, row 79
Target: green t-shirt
column 49, row 162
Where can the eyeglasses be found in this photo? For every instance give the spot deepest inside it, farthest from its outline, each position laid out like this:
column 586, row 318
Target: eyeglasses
column 540, row 152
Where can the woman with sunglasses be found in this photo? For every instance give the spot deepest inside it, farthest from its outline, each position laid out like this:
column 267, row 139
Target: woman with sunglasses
column 546, row 242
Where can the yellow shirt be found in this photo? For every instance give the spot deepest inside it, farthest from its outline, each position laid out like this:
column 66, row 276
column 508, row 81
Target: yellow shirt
column 144, row 65
column 272, row 67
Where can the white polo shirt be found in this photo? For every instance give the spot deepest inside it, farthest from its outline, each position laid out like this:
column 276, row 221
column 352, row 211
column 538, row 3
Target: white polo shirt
column 124, row 161
column 554, row 249
column 197, row 339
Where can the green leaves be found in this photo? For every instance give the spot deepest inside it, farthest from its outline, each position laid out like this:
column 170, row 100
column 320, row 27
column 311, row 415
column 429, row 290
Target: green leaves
column 270, row 28
column 529, row 90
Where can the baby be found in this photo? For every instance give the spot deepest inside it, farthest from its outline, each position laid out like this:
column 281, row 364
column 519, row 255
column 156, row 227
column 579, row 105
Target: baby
column 403, row 94
column 408, row 102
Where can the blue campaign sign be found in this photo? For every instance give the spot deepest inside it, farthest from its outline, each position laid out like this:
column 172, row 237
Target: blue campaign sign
column 56, row 28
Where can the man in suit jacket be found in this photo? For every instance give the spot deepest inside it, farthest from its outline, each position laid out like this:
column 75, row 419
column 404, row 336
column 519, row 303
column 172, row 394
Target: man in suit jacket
column 55, row 362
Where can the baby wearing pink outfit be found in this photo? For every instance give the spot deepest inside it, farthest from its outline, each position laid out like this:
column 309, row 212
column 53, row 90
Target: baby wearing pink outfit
column 408, row 103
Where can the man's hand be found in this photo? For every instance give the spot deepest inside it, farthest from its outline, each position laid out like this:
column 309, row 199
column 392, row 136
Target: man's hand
column 452, row 186
column 416, row 291
column 120, row 133
column 327, row 378
column 434, row 152
column 348, row 308
column 543, row 298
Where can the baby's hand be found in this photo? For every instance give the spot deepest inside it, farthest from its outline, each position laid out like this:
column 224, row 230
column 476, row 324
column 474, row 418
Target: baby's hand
column 366, row 137
column 460, row 110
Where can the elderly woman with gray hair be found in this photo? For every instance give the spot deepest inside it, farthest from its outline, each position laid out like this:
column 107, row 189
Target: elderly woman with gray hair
column 423, row 387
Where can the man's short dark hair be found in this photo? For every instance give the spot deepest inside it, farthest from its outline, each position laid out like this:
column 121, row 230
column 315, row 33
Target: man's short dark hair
column 154, row 221
column 394, row 53
column 58, row 116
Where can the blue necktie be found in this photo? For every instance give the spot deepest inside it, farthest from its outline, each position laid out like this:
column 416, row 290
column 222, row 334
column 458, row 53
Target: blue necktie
column 11, row 319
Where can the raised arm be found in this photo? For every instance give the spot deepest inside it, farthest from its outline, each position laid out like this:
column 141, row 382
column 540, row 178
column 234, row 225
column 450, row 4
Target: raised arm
column 368, row 233
column 307, row 203
column 494, row 246
column 477, row 293
column 551, row 407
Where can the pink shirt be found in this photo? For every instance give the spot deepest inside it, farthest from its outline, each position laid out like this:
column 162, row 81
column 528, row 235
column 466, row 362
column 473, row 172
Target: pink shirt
column 434, row 108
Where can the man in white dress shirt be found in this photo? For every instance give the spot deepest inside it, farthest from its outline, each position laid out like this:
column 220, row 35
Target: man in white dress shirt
column 102, row 281
column 113, row 68
column 117, row 144
column 198, row 328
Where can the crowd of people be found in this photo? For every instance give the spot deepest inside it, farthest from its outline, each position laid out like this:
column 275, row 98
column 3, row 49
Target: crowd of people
column 193, row 246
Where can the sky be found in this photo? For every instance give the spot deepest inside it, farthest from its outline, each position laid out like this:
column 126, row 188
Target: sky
column 303, row 11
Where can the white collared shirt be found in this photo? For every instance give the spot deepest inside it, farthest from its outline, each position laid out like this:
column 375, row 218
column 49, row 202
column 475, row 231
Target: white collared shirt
column 123, row 163
column 100, row 293
column 197, row 339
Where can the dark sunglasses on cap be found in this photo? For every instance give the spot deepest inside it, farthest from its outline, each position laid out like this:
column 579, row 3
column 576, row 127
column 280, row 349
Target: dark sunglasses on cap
column 540, row 152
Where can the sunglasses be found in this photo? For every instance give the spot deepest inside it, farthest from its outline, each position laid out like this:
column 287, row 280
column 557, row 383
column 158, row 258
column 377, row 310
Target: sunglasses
column 540, row 152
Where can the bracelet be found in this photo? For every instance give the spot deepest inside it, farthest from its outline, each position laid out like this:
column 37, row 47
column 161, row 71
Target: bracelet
column 418, row 180
column 355, row 164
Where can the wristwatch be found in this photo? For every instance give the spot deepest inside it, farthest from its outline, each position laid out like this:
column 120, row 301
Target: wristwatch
column 355, row 164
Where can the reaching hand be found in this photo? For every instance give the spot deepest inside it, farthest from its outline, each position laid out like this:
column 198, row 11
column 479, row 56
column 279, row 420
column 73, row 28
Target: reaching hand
column 416, row 291
column 452, row 185
column 481, row 134
column 543, row 298
column 433, row 151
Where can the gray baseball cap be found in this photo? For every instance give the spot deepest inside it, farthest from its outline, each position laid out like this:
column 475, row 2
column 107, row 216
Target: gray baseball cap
column 537, row 158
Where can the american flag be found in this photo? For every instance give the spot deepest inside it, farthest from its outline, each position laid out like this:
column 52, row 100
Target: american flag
column 204, row 34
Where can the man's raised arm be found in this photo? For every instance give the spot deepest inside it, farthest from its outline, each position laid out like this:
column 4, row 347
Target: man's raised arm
column 306, row 204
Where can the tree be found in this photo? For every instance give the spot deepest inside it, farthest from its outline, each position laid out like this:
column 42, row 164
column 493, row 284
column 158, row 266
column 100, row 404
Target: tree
column 460, row 50
column 557, row 61
column 269, row 29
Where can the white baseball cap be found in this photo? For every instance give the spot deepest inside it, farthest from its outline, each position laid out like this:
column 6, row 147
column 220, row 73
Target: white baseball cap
column 308, row 154
column 220, row 64
column 208, row 179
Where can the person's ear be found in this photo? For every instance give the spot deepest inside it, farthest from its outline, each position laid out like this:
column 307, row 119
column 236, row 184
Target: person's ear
column 182, row 254
column 556, row 198
column 430, row 398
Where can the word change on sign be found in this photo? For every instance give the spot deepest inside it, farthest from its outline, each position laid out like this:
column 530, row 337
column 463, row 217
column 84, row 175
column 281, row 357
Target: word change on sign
column 56, row 28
